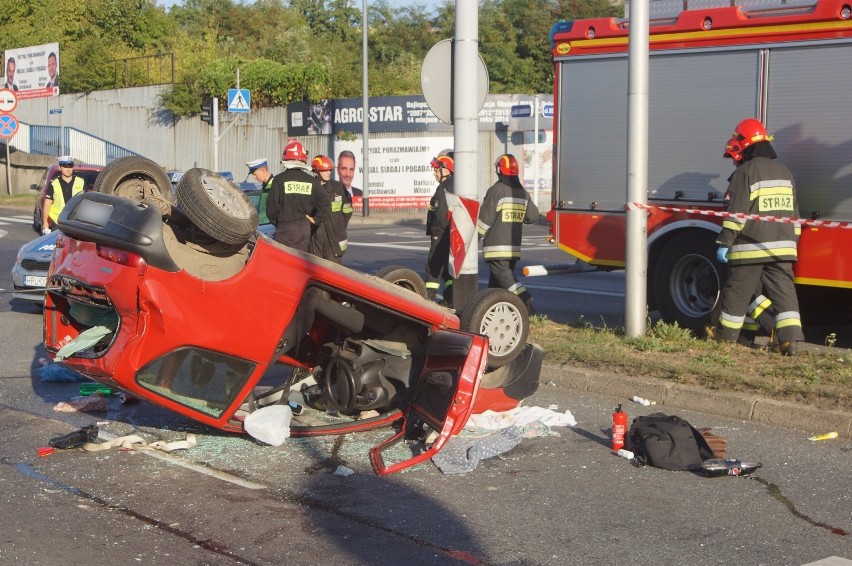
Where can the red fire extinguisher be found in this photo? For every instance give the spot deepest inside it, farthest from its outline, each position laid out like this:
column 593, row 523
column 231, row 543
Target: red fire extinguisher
column 619, row 428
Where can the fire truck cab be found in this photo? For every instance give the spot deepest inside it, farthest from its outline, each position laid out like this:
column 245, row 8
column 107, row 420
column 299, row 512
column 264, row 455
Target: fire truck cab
column 711, row 64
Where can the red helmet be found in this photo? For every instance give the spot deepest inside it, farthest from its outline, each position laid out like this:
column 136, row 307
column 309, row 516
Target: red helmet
column 294, row 151
column 321, row 163
column 748, row 132
column 507, row 165
column 444, row 161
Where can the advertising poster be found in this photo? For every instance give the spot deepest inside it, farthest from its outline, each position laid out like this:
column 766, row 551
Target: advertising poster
column 32, row 72
column 400, row 171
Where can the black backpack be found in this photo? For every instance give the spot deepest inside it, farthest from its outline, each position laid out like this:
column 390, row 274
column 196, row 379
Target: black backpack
column 669, row 442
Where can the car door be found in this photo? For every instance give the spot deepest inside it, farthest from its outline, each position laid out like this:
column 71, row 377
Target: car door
column 443, row 399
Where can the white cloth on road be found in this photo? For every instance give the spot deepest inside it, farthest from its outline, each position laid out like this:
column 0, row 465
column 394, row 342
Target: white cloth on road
column 520, row 417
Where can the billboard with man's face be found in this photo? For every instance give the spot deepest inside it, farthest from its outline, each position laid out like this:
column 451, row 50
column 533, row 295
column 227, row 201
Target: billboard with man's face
column 32, row 72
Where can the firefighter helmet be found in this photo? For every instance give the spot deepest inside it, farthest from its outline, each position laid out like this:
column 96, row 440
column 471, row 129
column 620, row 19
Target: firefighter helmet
column 321, row 163
column 294, row 151
column 444, row 161
column 507, row 165
column 748, row 132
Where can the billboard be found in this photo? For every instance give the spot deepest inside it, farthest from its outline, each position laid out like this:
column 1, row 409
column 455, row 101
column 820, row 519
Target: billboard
column 32, row 72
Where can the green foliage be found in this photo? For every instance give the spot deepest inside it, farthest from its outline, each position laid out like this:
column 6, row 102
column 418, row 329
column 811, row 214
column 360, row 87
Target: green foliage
column 286, row 50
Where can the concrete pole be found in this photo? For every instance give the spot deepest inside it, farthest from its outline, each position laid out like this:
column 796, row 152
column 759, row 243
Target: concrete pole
column 636, row 265
column 365, row 92
column 215, row 134
column 536, row 110
column 466, row 127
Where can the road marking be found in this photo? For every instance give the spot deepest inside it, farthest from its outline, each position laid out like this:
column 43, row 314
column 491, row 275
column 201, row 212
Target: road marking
column 16, row 219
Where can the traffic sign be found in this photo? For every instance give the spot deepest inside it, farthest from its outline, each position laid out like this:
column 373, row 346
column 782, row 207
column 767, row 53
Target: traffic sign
column 239, row 100
column 521, row 110
column 547, row 110
column 8, row 100
column 436, row 80
column 8, row 126
column 55, row 111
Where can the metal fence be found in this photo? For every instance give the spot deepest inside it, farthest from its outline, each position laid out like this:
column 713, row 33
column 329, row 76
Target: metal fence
column 84, row 147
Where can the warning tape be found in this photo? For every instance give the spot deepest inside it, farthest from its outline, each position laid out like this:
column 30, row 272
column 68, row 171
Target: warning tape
column 742, row 216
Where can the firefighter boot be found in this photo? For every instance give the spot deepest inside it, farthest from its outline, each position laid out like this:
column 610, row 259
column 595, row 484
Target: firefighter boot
column 790, row 348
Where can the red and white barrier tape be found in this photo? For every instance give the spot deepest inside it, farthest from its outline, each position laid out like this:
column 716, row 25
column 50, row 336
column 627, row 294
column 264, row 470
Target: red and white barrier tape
column 743, row 216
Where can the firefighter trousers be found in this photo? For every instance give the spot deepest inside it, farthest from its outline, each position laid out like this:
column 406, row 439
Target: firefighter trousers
column 760, row 315
column 777, row 280
column 438, row 269
column 503, row 277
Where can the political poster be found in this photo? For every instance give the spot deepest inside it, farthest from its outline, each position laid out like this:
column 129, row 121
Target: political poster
column 32, row 72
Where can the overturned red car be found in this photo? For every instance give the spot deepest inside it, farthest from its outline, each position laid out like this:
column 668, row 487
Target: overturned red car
column 179, row 300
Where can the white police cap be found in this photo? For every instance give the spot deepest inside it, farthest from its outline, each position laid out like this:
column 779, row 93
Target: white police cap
column 66, row 160
column 256, row 164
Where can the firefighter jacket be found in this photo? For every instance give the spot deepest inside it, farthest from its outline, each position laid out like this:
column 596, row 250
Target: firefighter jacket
column 296, row 194
column 505, row 209
column 761, row 186
column 77, row 185
column 333, row 232
column 438, row 216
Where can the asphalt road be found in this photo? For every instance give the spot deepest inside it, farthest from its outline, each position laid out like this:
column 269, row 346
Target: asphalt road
column 558, row 499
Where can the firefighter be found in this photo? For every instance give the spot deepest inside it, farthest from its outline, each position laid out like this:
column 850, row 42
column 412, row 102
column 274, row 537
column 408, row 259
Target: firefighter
column 507, row 206
column 760, row 313
column 759, row 250
column 329, row 240
column 438, row 230
column 296, row 200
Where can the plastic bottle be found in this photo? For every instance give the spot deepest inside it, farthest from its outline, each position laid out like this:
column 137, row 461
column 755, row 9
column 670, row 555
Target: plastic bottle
column 641, row 400
column 625, row 453
column 619, row 428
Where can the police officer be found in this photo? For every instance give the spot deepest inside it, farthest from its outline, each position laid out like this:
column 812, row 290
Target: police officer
column 438, row 230
column 329, row 239
column 296, row 200
column 507, row 206
column 60, row 191
column 259, row 169
column 759, row 250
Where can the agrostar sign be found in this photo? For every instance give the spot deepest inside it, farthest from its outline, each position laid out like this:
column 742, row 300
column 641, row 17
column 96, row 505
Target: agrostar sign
column 377, row 114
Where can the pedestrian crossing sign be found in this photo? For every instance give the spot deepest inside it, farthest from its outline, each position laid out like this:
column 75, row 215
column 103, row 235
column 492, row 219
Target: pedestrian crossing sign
column 239, row 100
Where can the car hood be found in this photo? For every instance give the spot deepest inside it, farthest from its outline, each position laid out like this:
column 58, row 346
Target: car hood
column 41, row 248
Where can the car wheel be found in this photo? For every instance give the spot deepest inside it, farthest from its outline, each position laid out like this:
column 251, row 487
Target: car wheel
column 502, row 316
column 136, row 178
column 404, row 277
column 216, row 206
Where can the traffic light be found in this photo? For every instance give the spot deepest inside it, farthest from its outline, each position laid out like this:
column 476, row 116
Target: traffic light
column 207, row 112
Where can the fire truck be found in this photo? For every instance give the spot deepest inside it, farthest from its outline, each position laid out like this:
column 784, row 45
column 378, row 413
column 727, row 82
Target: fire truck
column 710, row 65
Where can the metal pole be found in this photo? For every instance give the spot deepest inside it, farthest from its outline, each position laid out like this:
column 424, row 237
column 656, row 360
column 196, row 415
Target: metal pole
column 215, row 134
column 535, row 153
column 636, row 265
column 8, row 167
column 466, row 129
column 365, row 103
column 61, row 135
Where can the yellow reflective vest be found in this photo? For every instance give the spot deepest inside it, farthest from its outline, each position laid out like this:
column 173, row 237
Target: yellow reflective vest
column 59, row 196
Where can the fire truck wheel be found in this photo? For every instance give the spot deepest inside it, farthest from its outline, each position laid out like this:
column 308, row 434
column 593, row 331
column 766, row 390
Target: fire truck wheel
column 135, row 178
column 502, row 316
column 217, row 206
column 404, row 277
column 687, row 279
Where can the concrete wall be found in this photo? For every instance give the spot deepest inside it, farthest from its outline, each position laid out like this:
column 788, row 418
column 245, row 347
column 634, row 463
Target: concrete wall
column 26, row 170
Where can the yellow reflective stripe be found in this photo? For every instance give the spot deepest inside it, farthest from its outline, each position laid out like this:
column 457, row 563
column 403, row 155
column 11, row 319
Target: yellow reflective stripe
column 336, row 206
column 756, row 254
column 787, row 323
column 432, row 285
column 734, row 225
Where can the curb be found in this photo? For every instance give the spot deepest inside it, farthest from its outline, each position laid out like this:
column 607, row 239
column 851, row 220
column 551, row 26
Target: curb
column 751, row 408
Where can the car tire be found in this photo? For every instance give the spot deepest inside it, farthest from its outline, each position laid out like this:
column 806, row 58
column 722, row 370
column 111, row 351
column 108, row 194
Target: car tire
column 502, row 316
column 217, row 206
column 687, row 278
column 404, row 277
column 136, row 178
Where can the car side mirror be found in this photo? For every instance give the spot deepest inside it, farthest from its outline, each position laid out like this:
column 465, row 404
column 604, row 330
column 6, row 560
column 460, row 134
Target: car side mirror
column 35, row 187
